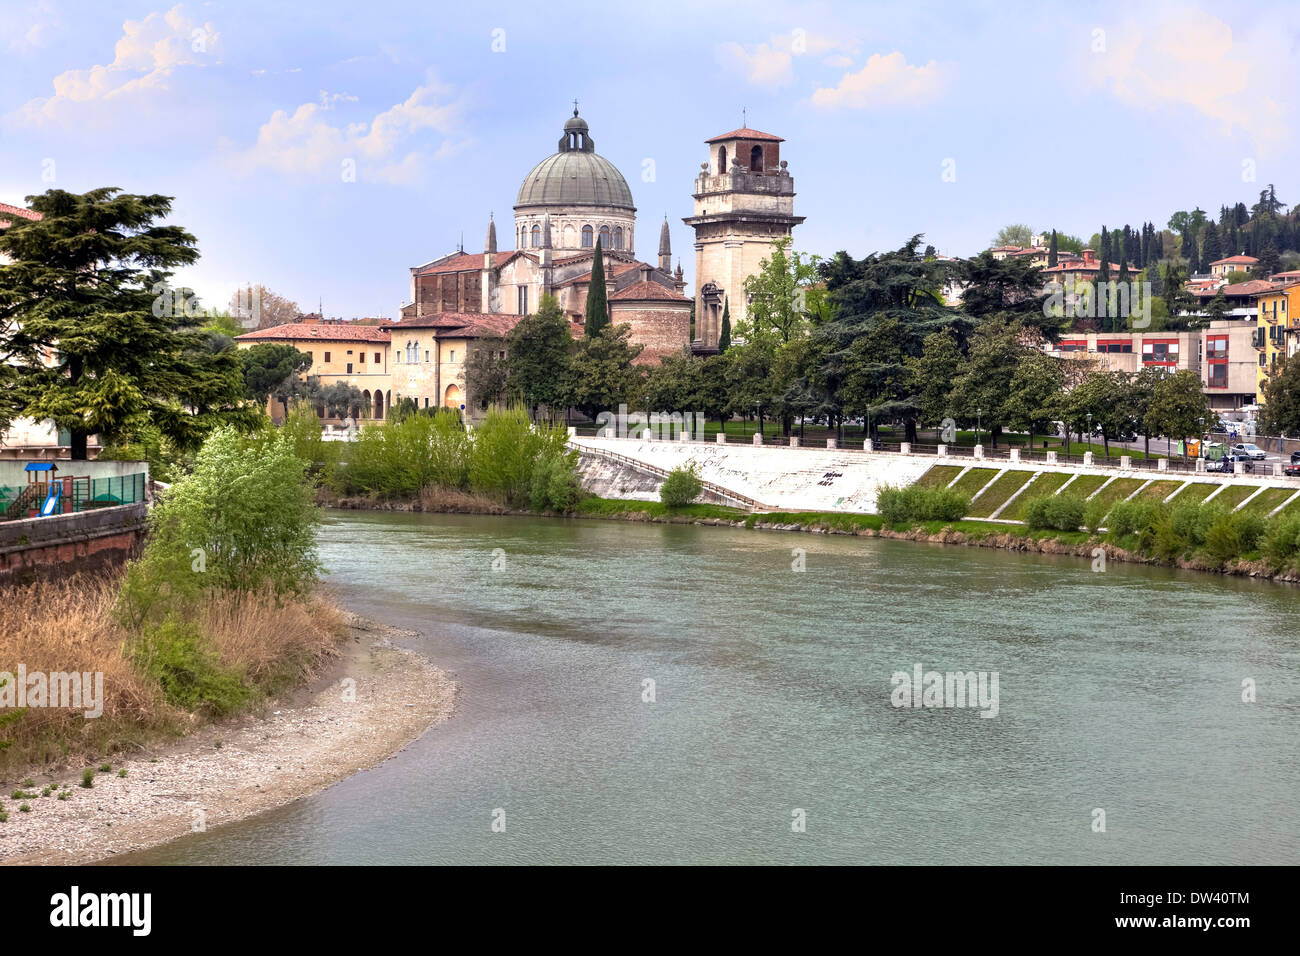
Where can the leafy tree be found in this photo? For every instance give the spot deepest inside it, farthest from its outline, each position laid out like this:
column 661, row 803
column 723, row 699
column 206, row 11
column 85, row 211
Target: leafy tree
column 681, row 487
column 1098, row 400
column 876, row 381
column 1217, row 308
column 1178, row 408
column 257, row 307
column 487, row 371
column 1008, row 287
column 932, row 374
column 84, row 286
column 601, row 373
column 1281, row 399
column 1016, row 234
column 1037, row 380
column 749, row 372
column 268, row 366
column 674, row 384
column 984, row 380
column 339, row 399
column 597, row 296
column 540, row 347
column 779, row 295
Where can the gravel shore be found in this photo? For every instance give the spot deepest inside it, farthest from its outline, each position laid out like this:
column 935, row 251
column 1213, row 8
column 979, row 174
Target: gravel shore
column 229, row 771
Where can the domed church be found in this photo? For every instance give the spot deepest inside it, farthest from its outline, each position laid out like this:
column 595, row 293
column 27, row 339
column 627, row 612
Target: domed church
column 565, row 204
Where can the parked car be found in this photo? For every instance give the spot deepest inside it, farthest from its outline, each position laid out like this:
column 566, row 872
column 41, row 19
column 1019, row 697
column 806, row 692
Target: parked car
column 1249, row 450
column 1226, row 463
column 1295, row 457
column 1292, row 470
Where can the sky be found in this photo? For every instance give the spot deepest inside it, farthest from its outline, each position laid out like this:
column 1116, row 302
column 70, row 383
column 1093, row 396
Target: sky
column 324, row 149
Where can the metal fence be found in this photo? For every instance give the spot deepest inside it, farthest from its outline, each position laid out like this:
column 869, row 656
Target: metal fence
column 21, row 501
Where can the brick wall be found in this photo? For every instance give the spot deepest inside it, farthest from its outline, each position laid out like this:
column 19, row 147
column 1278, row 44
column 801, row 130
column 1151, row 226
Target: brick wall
column 65, row 544
column 663, row 329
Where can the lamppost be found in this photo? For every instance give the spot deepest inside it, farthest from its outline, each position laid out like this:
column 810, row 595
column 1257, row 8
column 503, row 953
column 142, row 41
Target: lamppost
column 1090, row 431
column 978, row 413
column 758, row 414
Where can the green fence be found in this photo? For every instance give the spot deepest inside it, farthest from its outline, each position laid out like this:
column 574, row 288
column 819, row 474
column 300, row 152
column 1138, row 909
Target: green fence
column 86, row 493
column 124, row 490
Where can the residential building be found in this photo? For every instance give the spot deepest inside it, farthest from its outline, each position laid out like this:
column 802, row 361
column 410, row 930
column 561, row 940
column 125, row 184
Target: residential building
column 1277, row 332
column 1225, row 267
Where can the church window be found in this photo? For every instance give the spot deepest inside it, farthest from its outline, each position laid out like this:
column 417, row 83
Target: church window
column 722, row 160
column 756, row 159
column 618, row 237
column 604, row 237
column 537, row 236
column 587, row 240
column 522, row 299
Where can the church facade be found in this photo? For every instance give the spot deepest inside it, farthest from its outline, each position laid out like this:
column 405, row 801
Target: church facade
column 568, row 202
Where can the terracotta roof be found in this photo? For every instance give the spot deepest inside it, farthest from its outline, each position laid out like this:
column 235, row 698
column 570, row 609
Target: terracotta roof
column 325, row 332
column 1246, row 260
column 438, row 320
column 456, row 262
column 642, row 291
column 611, row 269
column 1249, row 287
column 20, row 211
column 746, row 133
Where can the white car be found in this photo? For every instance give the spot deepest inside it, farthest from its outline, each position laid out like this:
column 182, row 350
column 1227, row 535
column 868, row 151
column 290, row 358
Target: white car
column 1249, row 450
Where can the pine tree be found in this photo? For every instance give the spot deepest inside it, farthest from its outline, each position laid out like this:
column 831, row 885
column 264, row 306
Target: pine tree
column 724, row 337
column 597, row 300
column 1189, row 253
column 88, row 283
column 1211, row 251
column 1051, row 251
column 1269, row 260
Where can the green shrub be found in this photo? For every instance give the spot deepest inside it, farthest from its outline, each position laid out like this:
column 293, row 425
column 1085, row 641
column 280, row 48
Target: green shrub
column 1057, row 512
column 681, row 487
column 190, row 675
column 1130, row 517
column 1232, row 534
column 1282, row 540
column 408, row 453
column 1094, row 514
column 555, row 485
column 505, row 450
column 902, row 506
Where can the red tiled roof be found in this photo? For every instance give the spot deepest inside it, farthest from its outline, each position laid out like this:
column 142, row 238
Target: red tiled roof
column 438, row 320
column 611, row 269
column 456, row 262
column 20, row 211
column 324, row 332
column 643, row 291
column 746, row 133
column 1245, row 260
column 1249, row 287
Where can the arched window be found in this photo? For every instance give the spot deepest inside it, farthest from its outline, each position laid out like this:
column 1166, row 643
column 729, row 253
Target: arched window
column 722, row 160
column 537, row 236
column 618, row 237
column 587, row 241
column 604, row 237
column 756, row 159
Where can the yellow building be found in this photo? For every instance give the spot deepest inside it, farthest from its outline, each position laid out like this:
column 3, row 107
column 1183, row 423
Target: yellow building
column 1277, row 333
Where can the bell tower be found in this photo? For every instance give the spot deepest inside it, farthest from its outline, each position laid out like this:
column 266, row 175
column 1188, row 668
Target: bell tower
column 744, row 200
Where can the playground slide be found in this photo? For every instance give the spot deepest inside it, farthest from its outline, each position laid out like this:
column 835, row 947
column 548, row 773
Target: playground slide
column 52, row 502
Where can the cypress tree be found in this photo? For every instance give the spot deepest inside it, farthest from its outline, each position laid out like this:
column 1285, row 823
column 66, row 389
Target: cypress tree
column 597, row 302
column 724, row 337
column 1189, row 253
column 1211, row 251
column 1051, row 251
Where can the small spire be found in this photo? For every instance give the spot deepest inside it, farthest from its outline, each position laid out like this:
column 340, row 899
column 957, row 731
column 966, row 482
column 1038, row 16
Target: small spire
column 575, row 107
column 491, row 244
column 744, row 117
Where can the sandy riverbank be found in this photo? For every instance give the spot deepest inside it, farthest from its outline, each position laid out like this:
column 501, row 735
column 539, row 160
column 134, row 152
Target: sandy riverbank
column 226, row 772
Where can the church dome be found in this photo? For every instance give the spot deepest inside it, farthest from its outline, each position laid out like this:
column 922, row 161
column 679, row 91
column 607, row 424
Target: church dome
column 575, row 175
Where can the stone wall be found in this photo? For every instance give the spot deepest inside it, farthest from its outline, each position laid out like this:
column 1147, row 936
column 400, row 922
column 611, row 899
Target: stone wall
column 65, row 544
column 664, row 328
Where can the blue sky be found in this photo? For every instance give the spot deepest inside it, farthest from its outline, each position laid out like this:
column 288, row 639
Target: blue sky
column 947, row 119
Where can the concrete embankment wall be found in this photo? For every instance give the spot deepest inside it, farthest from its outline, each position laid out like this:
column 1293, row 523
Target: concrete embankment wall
column 63, row 544
column 796, row 479
column 616, row 479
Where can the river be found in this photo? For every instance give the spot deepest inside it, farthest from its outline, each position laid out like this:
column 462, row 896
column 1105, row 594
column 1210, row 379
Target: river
column 771, row 736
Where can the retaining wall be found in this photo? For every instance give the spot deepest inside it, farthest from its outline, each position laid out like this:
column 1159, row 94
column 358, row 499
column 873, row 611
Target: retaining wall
column 63, row 544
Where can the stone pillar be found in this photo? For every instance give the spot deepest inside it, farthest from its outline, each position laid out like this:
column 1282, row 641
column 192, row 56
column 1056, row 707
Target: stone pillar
column 943, row 451
column 830, row 443
column 1126, row 462
column 1015, row 454
column 722, row 438
column 684, row 435
column 1200, row 466
column 1087, row 459
column 979, row 451
column 1162, row 464
column 758, row 438
column 905, row 448
column 573, row 431
column 794, row 441
column 1238, row 467
column 868, row 445
column 1277, row 469
column 1051, row 458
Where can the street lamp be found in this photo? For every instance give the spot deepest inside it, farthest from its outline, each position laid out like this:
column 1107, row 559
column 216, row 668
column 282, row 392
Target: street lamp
column 1090, row 431
column 978, row 413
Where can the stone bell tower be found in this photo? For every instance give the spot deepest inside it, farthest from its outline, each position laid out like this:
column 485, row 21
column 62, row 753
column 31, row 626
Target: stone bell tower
column 744, row 200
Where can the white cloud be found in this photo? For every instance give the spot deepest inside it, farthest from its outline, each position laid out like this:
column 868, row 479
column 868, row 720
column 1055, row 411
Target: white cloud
column 28, row 28
column 145, row 57
column 1187, row 57
column 308, row 144
column 771, row 65
column 886, row 80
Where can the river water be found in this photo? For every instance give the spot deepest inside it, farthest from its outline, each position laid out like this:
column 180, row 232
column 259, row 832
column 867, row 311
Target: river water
column 1118, row 691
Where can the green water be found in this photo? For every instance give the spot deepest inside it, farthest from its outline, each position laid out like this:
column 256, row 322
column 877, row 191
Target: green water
column 1118, row 690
